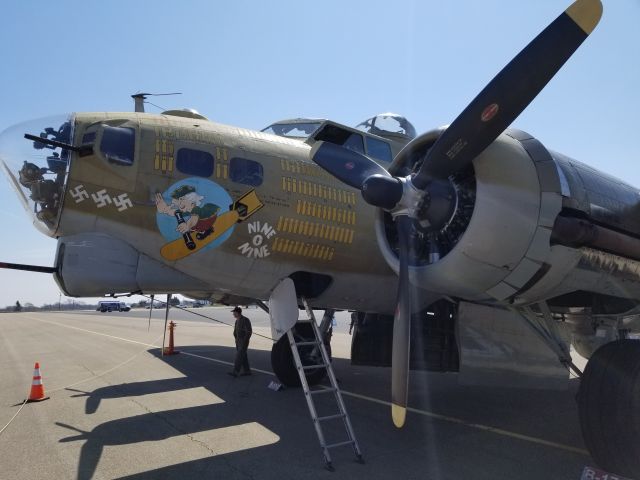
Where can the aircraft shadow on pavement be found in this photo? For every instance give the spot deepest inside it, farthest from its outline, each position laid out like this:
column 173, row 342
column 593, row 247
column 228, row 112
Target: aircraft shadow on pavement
column 247, row 400
column 238, row 407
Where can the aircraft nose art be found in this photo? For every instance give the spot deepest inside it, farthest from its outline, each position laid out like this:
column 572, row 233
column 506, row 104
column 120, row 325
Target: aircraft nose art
column 37, row 170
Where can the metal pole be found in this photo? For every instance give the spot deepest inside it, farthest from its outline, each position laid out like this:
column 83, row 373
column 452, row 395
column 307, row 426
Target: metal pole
column 150, row 312
column 166, row 318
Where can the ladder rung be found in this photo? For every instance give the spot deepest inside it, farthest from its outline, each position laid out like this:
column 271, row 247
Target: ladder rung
column 323, row 390
column 340, row 444
column 299, row 344
column 331, row 417
column 319, row 365
column 304, row 320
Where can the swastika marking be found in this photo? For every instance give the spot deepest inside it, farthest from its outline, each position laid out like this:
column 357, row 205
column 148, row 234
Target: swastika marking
column 122, row 202
column 101, row 198
column 79, row 193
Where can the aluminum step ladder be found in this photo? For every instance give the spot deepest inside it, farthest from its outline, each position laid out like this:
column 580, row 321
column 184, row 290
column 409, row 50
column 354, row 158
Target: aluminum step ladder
column 309, row 394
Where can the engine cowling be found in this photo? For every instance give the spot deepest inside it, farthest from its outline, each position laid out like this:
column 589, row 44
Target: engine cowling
column 499, row 226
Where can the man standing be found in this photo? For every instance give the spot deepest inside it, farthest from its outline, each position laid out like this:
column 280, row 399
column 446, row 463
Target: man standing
column 242, row 333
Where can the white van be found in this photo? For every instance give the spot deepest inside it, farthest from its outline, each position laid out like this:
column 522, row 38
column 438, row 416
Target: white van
column 112, row 306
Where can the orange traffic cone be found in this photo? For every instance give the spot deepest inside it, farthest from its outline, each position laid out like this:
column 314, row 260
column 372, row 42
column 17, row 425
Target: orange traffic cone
column 37, row 388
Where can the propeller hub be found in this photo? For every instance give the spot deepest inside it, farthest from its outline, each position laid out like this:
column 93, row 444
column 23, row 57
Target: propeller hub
column 438, row 206
column 382, row 191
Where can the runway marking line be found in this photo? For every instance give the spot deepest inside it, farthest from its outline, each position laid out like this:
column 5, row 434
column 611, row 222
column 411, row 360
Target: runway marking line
column 91, row 331
column 425, row 413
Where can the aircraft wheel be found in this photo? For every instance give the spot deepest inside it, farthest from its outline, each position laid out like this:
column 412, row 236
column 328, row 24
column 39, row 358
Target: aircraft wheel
column 282, row 359
column 609, row 407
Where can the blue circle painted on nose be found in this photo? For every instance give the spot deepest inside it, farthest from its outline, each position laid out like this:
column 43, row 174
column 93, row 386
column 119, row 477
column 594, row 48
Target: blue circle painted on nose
column 196, row 196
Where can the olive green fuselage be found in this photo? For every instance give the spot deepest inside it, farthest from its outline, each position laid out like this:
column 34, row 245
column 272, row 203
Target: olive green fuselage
column 297, row 217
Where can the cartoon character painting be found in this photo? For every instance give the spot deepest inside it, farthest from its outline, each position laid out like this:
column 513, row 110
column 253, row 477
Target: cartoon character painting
column 185, row 200
column 190, row 216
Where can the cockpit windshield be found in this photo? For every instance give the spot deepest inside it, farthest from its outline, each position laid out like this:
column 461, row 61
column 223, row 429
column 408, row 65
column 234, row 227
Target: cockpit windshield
column 293, row 130
column 388, row 124
column 38, row 170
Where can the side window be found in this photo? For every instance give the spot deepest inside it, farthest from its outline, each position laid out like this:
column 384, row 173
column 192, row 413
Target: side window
column 243, row 170
column 194, row 162
column 118, row 144
column 379, row 149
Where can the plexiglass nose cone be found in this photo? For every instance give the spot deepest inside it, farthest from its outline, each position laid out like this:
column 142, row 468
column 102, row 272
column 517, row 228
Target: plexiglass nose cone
column 38, row 171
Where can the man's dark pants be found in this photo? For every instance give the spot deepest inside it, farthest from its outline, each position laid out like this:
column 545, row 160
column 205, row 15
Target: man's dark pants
column 241, row 364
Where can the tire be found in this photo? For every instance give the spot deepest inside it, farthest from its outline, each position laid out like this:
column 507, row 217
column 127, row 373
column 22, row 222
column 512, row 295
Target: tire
column 609, row 407
column 282, row 359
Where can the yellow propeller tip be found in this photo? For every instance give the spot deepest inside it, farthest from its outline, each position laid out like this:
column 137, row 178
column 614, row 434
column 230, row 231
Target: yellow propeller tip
column 586, row 14
column 399, row 414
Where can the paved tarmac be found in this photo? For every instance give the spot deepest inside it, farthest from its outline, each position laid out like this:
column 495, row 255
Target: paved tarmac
column 120, row 410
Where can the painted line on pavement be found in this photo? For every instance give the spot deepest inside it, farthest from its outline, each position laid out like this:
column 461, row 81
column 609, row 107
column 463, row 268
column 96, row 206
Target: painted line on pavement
column 91, row 331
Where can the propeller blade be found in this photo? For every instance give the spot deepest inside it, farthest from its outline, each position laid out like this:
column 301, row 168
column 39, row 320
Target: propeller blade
column 401, row 327
column 346, row 165
column 509, row 93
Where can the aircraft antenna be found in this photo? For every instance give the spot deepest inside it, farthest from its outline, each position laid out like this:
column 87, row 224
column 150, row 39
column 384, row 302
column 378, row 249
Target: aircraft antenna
column 139, row 99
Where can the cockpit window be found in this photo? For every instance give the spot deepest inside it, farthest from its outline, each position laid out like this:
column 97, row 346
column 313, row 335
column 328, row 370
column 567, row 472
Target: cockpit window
column 293, row 130
column 378, row 149
column 388, row 124
column 341, row 136
column 354, row 142
column 118, row 144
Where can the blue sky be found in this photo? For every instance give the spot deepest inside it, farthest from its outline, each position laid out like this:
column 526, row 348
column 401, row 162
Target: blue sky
column 252, row 63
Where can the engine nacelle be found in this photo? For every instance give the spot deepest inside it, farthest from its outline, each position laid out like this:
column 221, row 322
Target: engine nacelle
column 504, row 246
